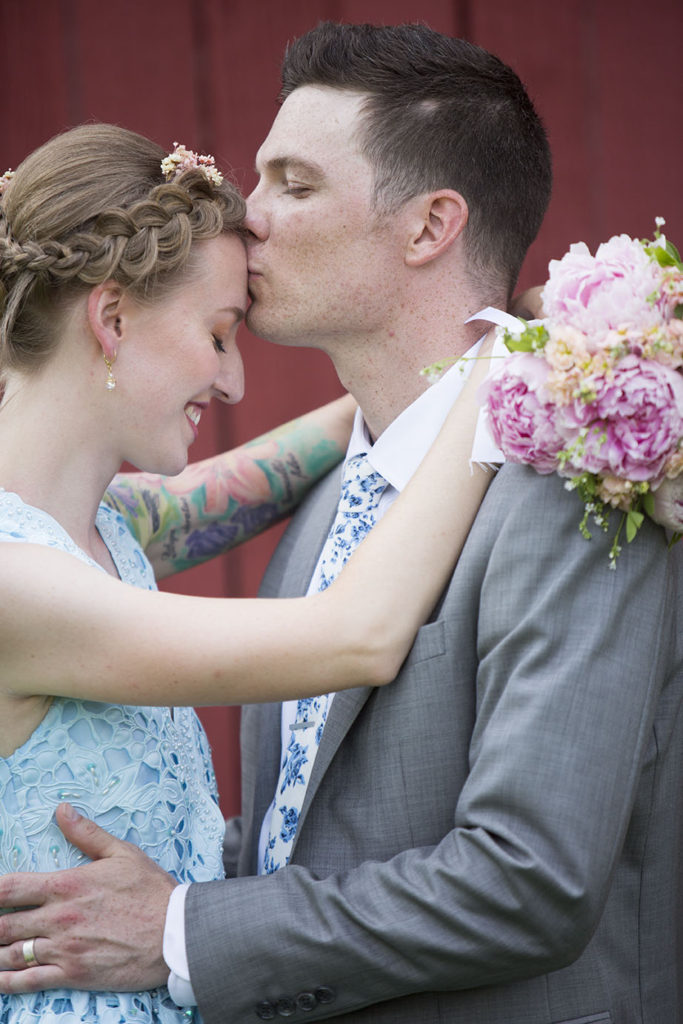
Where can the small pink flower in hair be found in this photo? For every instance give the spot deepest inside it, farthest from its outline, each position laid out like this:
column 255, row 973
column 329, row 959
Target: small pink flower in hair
column 5, row 180
column 182, row 159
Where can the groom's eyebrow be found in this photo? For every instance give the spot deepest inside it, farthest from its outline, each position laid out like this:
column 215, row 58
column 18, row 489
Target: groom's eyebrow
column 308, row 168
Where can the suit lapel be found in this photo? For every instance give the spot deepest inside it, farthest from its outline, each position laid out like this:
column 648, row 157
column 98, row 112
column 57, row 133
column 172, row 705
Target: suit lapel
column 303, row 541
column 346, row 707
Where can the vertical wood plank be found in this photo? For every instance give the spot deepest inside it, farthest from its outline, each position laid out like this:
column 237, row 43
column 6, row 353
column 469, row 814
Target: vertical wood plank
column 605, row 79
column 34, row 93
column 604, row 76
column 639, row 86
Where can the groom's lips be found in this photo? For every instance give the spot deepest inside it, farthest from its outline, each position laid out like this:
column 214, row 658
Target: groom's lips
column 253, row 276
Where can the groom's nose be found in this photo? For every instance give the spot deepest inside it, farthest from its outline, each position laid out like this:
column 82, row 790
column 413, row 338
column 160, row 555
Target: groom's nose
column 255, row 220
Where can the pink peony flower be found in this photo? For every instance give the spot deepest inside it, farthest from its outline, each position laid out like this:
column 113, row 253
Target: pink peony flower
column 615, row 492
column 565, row 347
column 672, row 290
column 597, row 395
column 521, row 420
column 674, row 466
column 669, row 504
column 633, row 424
column 606, row 291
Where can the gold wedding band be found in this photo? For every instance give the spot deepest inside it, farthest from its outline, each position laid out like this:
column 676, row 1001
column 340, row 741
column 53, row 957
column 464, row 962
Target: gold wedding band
column 28, row 951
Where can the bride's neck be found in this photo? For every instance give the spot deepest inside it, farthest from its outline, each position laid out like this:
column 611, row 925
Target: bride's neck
column 52, row 456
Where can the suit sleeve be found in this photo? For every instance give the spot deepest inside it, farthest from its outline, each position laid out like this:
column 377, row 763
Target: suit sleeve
column 572, row 660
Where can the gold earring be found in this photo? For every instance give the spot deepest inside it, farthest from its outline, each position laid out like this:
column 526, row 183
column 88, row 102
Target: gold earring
column 110, row 382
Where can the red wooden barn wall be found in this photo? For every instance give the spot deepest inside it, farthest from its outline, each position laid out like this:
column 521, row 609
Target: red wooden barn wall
column 604, row 73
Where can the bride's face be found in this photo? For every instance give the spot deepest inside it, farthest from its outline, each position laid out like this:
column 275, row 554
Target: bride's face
column 180, row 351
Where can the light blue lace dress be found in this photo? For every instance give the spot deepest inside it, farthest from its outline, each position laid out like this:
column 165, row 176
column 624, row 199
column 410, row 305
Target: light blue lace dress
column 142, row 773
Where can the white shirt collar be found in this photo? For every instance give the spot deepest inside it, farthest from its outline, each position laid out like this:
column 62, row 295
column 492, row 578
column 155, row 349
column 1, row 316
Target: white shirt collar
column 399, row 450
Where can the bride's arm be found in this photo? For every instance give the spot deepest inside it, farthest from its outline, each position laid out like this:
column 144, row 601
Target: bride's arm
column 218, row 503
column 68, row 630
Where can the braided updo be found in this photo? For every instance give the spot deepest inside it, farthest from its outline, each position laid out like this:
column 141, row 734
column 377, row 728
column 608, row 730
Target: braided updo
column 92, row 205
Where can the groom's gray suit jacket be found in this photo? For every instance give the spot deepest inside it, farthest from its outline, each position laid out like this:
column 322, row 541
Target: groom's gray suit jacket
column 494, row 838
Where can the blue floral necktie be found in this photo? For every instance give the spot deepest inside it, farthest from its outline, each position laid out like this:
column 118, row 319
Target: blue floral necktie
column 361, row 490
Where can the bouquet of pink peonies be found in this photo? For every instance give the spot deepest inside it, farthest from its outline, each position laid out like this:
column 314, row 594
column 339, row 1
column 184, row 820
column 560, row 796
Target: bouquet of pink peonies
column 595, row 392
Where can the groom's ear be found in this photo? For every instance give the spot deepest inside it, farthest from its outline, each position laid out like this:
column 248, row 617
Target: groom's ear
column 436, row 221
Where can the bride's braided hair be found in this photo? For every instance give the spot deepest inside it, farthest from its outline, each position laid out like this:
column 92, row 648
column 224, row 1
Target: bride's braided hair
column 89, row 206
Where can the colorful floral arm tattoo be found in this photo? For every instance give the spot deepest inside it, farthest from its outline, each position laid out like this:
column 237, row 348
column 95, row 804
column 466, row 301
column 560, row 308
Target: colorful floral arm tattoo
column 222, row 501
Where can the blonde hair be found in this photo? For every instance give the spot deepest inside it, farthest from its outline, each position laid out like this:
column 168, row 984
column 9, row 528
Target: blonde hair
column 91, row 205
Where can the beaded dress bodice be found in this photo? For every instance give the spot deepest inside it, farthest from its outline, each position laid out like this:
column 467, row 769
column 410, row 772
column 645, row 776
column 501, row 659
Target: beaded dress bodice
column 142, row 773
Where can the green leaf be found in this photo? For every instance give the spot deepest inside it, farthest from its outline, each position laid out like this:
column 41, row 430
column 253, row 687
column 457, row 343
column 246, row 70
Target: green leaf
column 663, row 257
column 649, row 503
column 530, row 340
column 667, row 256
column 634, row 520
column 522, row 344
column 671, row 248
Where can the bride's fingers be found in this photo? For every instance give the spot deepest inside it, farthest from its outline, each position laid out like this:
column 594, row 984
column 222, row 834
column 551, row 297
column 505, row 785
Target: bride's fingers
column 479, row 372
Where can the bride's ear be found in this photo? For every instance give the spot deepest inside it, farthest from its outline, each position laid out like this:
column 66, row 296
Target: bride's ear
column 105, row 303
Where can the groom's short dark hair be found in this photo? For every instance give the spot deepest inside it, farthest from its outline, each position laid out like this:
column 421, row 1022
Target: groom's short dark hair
column 440, row 113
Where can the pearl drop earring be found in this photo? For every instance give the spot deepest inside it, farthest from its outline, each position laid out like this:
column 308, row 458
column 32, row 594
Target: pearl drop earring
column 110, row 382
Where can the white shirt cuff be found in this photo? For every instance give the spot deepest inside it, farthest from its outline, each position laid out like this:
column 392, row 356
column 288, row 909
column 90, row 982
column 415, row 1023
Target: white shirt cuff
column 175, row 954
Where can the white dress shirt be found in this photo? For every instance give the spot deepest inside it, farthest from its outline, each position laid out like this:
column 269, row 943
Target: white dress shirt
column 396, row 454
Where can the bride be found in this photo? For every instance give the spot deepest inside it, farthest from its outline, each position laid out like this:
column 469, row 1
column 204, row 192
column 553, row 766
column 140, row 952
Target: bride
column 122, row 288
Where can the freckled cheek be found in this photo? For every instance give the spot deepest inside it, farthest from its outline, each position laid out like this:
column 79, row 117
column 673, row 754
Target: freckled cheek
column 301, row 233
column 304, row 262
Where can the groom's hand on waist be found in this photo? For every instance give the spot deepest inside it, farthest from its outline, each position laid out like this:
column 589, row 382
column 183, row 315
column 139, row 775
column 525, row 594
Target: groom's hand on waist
column 98, row 927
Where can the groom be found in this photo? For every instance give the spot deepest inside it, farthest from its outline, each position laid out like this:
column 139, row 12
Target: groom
column 494, row 838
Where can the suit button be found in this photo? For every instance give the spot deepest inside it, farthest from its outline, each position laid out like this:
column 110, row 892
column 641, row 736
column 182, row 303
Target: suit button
column 306, row 1001
column 265, row 1010
column 325, row 994
column 285, row 1007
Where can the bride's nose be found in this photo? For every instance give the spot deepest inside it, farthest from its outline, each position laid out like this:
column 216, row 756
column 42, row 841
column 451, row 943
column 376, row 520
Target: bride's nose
column 229, row 383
